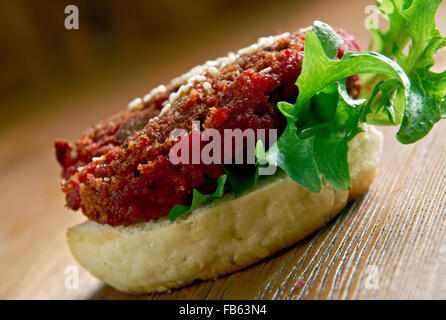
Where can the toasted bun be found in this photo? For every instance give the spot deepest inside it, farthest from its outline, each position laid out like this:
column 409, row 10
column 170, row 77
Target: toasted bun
column 223, row 236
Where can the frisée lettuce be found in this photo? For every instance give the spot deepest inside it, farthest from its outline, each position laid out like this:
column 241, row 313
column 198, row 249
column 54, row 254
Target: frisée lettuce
column 400, row 90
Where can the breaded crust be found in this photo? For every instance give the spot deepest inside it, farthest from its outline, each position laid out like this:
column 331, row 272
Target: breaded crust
column 223, row 236
column 121, row 181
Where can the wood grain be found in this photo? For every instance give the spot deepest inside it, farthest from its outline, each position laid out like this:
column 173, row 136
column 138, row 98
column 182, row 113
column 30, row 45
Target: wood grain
column 394, row 234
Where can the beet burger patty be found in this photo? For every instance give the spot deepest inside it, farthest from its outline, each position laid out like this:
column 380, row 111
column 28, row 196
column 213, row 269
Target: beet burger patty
column 119, row 171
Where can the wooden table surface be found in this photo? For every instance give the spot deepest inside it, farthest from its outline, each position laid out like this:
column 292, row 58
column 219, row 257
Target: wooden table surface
column 388, row 244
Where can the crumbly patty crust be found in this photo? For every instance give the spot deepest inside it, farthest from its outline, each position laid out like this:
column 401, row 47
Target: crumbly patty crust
column 119, row 173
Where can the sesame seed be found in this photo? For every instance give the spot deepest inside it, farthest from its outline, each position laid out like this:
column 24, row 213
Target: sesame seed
column 211, row 63
column 160, row 89
column 265, row 42
column 200, row 78
column 136, row 103
column 211, row 67
column 248, row 50
column 266, row 70
column 173, row 96
column 165, row 109
column 213, row 71
column 147, row 97
column 183, row 89
column 176, row 81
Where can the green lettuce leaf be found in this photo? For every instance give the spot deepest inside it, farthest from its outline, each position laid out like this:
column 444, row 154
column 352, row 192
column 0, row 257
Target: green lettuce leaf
column 331, row 159
column 402, row 90
column 197, row 199
column 295, row 157
column 422, row 112
column 242, row 177
column 412, row 22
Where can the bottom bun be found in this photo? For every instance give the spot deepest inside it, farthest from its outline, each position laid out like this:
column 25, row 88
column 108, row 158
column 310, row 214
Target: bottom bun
column 222, row 236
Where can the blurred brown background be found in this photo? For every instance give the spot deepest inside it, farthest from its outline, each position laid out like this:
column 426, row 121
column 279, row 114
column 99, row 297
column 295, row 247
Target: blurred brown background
column 41, row 59
column 54, row 83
